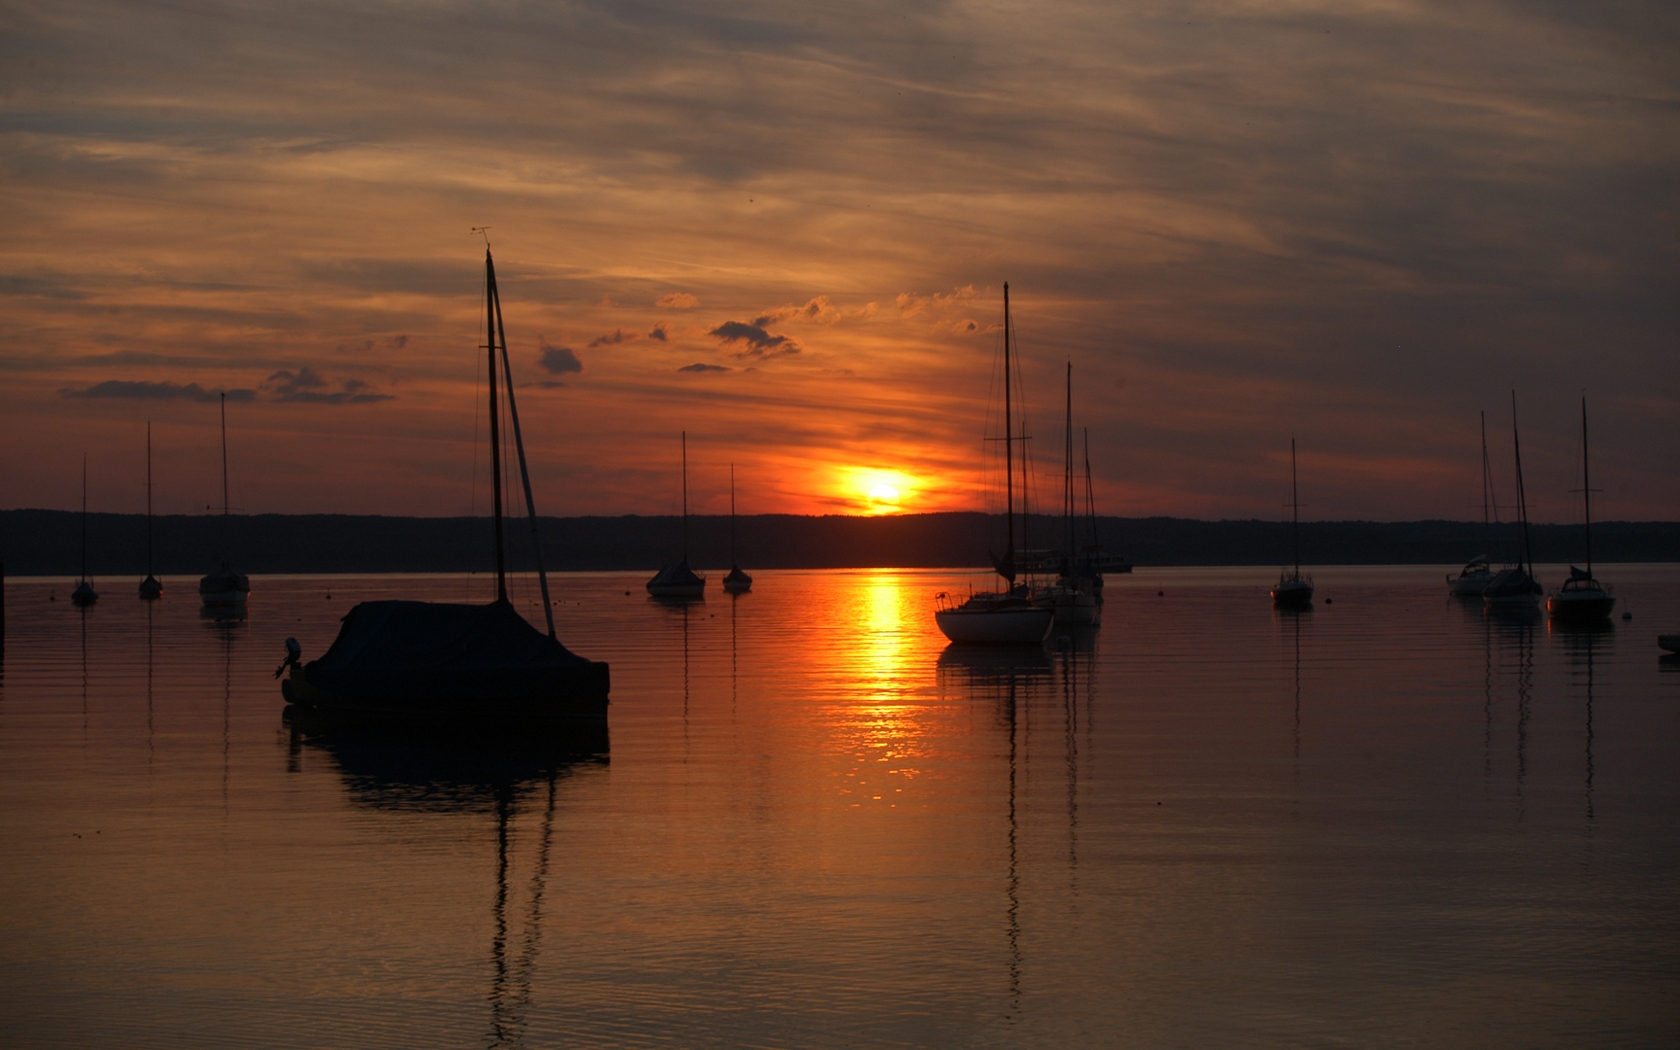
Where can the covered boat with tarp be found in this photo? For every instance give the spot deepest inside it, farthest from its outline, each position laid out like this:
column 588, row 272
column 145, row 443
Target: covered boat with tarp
column 438, row 663
column 465, row 668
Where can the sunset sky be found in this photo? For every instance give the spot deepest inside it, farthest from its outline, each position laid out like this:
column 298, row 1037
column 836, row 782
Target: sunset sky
column 783, row 228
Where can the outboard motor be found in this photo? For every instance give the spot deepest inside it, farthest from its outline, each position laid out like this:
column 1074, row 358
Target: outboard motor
column 293, row 652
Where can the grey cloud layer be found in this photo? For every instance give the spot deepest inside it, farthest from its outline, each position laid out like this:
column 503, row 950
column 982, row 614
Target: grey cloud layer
column 1429, row 199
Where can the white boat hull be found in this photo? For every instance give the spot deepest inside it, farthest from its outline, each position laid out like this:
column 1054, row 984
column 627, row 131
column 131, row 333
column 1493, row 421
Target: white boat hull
column 1069, row 605
column 1469, row 585
column 1015, row 626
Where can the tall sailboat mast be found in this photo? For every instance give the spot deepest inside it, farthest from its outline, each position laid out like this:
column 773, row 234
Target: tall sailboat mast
column 1067, row 477
column 84, row 515
column 224, row 480
column 1294, row 507
column 1008, row 444
column 732, row 515
column 148, row 498
column 519, row 441
column 685, row 494
column 1586, row 483
column 495, row 429
column 1522, row 495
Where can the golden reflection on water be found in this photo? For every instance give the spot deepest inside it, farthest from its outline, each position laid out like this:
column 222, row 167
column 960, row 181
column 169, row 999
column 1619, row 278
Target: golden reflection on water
column 884, row 722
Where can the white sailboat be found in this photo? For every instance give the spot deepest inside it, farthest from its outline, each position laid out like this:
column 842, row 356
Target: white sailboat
column 1582, row 599
column 1008, row 616
column 223, row 588
column 1292, row 589
column 1076, row 596
column 1478, row 572
column 677, row 580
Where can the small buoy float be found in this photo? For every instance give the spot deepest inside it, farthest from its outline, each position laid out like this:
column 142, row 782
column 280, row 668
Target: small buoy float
column 1329, row 601
column 1160, row 594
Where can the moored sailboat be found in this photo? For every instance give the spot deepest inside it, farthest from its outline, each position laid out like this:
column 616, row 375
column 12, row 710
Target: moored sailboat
column 1478, row 571
column 456, row 666
column 1516, row 587
column 1007, row 616
column 1582, row 599
column 84, row 594
column 677, row 580
column 150, row 588
column 224, row 588
column 738, row 581
column 1076, row 596
column 1292, row 589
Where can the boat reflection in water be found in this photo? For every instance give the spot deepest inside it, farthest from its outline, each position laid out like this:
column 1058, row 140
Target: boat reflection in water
column 501, row 775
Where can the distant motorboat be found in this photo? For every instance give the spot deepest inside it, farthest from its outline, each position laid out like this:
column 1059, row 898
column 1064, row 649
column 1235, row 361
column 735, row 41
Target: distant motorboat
column 677, row 580
column 1516, row 587
column 224, row 588
column 84, row 594
column 1006, row 617
column 1292, row 589
column 1582, row 599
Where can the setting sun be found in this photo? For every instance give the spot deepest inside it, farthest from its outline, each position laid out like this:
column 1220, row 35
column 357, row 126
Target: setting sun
column 881, row 491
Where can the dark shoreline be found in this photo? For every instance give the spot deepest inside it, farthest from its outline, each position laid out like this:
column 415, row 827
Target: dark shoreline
column 48, row 543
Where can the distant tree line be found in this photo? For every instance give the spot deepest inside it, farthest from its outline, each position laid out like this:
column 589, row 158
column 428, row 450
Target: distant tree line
column 48, row 543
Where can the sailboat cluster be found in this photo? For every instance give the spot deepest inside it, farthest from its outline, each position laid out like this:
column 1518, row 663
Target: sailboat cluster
column 1023, row 610
column 1581, row 599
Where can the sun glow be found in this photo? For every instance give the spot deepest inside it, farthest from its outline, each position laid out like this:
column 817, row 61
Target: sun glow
column 881, row 491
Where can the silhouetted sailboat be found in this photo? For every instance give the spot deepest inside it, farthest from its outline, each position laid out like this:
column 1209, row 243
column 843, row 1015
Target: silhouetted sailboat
column 150, row 588
column 1516, row 587
column 1076, row 596
column 677, row 580
column 1582, row 599
column 1007, row 616
column 84, row 594
column 468, row 667
column 1292, row 589
column 224, row 588
column 1478, row 571
column 737, row 582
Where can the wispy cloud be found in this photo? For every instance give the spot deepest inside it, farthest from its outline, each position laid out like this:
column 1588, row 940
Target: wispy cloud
column 700, row 366
column 677, row 301
column 306, row 386
column 613, row 338
column 140, row 390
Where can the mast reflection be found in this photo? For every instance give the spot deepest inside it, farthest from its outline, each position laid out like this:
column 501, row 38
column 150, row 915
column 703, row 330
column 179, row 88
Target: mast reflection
column 1581, row 642
column 1008, row 678
column 492, row 774
column 1514, row 629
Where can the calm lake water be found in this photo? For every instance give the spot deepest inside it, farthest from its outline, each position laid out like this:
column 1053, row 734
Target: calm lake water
column 1388, row 821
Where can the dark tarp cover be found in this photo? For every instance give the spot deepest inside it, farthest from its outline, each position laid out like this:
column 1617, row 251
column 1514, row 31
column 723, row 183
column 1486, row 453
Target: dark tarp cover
column 678, row 574
column 434, row 653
